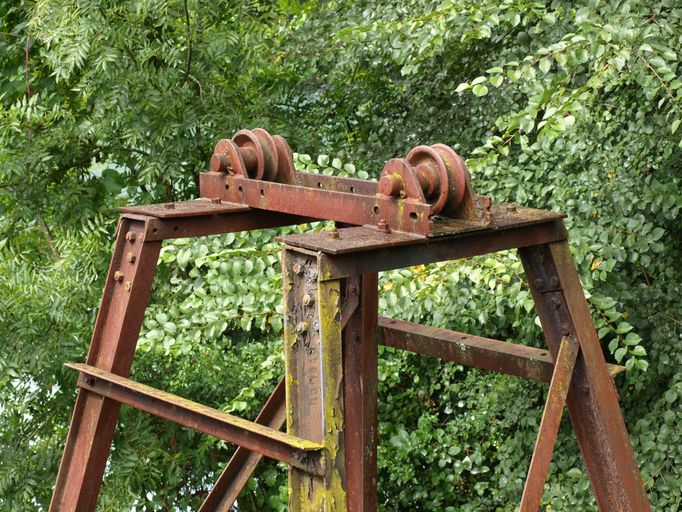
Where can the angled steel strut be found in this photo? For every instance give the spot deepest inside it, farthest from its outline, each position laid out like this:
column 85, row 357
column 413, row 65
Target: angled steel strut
column 423, row 209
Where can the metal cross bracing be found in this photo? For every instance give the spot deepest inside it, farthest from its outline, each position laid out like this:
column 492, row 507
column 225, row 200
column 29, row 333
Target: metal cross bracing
column 422, row 210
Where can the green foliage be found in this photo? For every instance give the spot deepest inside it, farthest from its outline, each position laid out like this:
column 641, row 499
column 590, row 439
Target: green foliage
column 572, row 106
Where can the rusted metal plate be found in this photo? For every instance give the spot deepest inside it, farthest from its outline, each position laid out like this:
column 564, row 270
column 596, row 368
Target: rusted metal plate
column 297, row 452
column 486, row 353
column 423, row 251
column 357, row 239
column 549, row 425
column 349, row 240
column 157, row 229
column 179, row 209
column 335, row 183
column 244, row 462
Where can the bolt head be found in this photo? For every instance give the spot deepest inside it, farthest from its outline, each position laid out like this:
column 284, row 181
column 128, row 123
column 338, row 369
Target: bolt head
column 554, row 281
column 308, row 299
column 539, row 283
column 118, row 276
column 169, row 206
column 298, row 269
column 131, row 236
column 131, row 257
column 302, row 327
column 334, row 233
column 128, row 285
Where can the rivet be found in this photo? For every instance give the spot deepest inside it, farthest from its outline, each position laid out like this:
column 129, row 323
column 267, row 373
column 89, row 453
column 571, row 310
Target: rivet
column 131, row 257
column 118, row 276
column 511, row 208
column 169, row 206
column 128, row 285
column 308, row 299
column 556, row 303
column 554, row 280
column 130, row 236
column 383, row 226
column 215, row 200
column 539, row 283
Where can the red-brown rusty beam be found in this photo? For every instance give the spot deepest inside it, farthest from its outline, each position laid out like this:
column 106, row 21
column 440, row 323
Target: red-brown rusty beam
column 94, row 418
column 361, row 250
column 297, row 452
column 592, row 399
column 549, row 425
column 244, row 462
column 360, row 395
column 207, row 222
column 488, row 354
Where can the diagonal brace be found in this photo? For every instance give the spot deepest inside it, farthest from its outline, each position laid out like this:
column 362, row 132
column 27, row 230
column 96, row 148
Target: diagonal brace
column 549, row 426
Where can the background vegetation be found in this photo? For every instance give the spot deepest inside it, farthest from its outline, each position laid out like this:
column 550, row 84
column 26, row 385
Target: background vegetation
column 573, row 106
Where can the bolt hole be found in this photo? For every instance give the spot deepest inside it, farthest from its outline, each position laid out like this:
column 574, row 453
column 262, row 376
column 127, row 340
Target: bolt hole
column 155, row 230
column 262, row 192
column 227, row 187
column 377, row 210
column 175, row 228
column 240, row 189
column 352, row 189
column 413, row 215
column 319, row 184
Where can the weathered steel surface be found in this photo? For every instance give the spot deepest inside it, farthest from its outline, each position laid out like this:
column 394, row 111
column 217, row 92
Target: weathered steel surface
column 549, row 425
column 243, row 463
column 592, row 400
column 360, row 394
column 314, row 380
column 300, row 453
column 375, row 251
column 206, row 221
column 256, row 169
column 195, row 208
column 112, row 347
column 488, row 354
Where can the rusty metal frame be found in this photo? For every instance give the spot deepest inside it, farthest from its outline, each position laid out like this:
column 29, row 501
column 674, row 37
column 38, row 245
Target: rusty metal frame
column 331, row 335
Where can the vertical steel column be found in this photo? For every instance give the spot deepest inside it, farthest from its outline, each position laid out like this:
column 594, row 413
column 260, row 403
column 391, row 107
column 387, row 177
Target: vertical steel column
column 592, row 399
column 314, row 379
column 119, row 319
column 360, row 392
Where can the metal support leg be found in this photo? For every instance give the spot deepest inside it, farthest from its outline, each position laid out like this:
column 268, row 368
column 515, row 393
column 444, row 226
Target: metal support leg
column 112, row 347
column 549, row 426
column 314, row 383
column 592, row 398
column 360, row 391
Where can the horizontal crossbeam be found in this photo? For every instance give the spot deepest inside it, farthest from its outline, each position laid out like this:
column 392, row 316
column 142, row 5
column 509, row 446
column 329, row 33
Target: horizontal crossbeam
column 488, row 354
column 297, row 452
